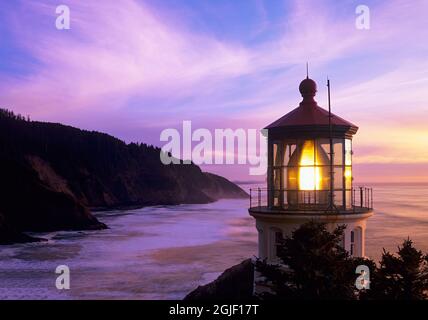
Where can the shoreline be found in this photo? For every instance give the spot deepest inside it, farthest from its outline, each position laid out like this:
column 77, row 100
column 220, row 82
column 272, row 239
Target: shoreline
column 24, row 237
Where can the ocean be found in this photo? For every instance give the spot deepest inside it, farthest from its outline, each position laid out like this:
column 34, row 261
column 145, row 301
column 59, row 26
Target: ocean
column 164, row 252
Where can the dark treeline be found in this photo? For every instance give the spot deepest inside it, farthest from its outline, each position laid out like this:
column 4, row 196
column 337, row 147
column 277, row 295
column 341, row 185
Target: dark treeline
column 64, row 144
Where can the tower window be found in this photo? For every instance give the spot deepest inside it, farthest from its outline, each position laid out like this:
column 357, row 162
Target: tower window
column 278, row 241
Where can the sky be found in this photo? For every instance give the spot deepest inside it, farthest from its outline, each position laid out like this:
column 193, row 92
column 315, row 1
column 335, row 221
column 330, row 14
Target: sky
column 133, row 68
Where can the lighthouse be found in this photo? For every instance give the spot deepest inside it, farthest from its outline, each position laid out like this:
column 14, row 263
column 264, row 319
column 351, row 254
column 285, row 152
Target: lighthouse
column 309, row 178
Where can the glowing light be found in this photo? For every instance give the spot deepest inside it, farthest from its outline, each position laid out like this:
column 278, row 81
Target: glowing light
column 309, row 175
column 348, row 173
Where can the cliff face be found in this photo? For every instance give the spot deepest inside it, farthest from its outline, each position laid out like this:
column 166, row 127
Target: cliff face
column 51, row 173
column 28, row 204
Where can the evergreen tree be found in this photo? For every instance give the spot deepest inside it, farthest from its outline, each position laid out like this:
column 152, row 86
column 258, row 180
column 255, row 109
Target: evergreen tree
column 314, row 266
column 403, row 276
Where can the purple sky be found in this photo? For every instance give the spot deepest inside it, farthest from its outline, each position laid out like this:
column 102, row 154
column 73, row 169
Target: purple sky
column 133, row 68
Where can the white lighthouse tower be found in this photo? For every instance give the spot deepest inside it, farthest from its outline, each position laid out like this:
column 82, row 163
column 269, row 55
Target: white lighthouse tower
column 310, row 178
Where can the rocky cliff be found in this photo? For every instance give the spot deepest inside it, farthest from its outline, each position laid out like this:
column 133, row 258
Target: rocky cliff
column 50, row 174
column 236, row 283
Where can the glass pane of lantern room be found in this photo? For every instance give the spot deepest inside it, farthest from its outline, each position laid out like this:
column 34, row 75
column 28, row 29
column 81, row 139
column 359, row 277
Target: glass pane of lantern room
column 285, row 178
column 338, row 178
column 348, row 177
column 338, row 186
column 348, row 152
column 289, row 149
column 276, row 186
column 276, row 155
column 323, row 163
column 309, row 173
column 338, row 151
column 323, row 149
column 277, row 179
column 285, row 186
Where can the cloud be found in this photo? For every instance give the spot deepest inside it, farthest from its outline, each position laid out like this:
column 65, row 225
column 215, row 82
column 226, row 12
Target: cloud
column 113, row 52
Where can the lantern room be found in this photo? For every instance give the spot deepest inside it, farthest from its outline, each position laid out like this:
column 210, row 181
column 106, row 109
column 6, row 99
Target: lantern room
column 310, row 157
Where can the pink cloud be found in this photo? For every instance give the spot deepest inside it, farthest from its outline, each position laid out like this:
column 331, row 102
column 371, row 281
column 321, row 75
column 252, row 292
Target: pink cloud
column 111, row 53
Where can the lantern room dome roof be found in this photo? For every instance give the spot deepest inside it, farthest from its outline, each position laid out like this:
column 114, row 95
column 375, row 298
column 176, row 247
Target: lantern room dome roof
column 308, row 114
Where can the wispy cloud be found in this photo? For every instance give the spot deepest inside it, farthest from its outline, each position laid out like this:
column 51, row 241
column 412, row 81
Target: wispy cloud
column 112, row 54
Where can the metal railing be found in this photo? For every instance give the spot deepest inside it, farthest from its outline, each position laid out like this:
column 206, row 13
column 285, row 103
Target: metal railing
column 356, row 199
